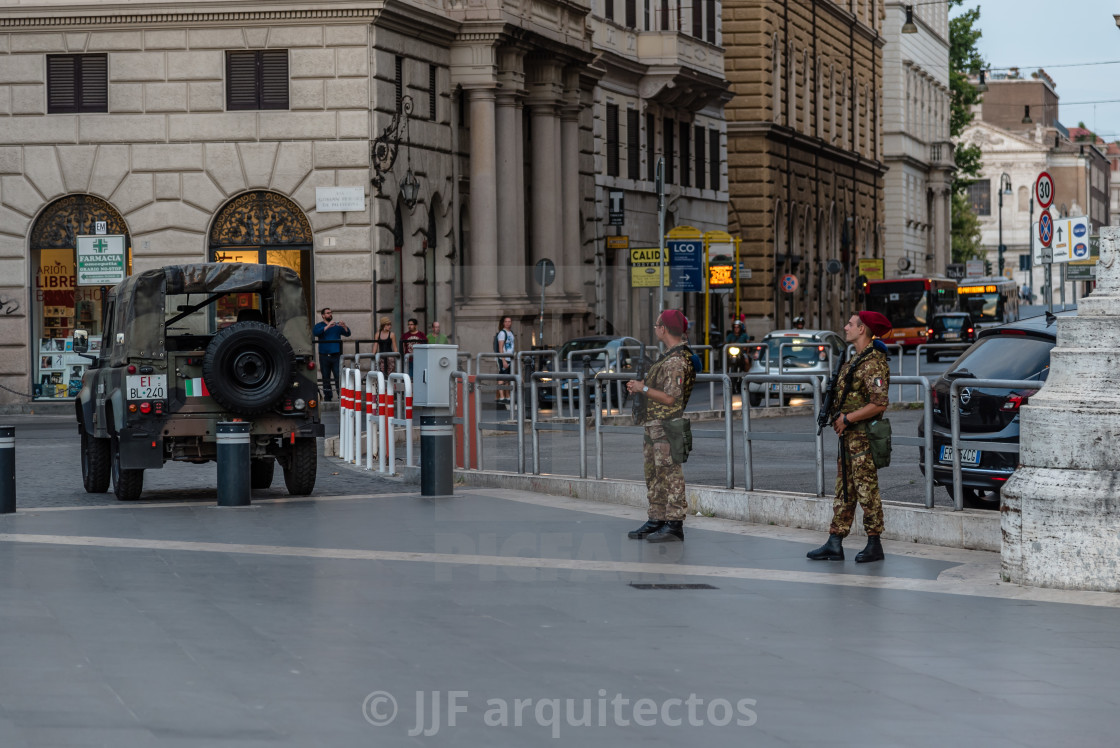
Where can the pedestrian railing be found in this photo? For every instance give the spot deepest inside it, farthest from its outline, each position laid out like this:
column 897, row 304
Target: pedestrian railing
column 525, row 362
column 725, row 433
column 750, row 435
column 514, row 394
column 377, row 420
column 400, row 414
column 513, row 381
column 551, row 425
column 955, row 427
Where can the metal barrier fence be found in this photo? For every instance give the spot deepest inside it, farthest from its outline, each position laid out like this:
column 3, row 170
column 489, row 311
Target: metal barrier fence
column 581, row 419
column 514, row 381
column 381, row 411
column 955, row 427
column 748, row 436
column 725, row 434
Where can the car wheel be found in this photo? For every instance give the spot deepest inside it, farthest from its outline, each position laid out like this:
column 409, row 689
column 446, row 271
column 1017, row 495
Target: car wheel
column 96, row 463
column 247, row 367
column 300, row 467
column 261, row 471
column 127, row 484
column 977, row 498
column 756, row 399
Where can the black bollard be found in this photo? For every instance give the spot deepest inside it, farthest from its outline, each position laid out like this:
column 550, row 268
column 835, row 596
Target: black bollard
column 233, row 463
column 437, row 454
column 7, row 469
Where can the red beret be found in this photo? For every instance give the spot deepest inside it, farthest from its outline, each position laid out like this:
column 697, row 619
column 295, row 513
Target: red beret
column 674, row 321
column 878, row 324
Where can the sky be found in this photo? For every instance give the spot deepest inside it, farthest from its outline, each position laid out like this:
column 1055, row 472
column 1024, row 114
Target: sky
column 1030, row 34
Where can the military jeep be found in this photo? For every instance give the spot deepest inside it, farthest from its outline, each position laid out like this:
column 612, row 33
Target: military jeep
column 185, row 347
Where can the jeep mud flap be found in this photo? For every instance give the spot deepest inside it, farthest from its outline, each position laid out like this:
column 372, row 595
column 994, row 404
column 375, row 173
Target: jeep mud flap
column 140, row 450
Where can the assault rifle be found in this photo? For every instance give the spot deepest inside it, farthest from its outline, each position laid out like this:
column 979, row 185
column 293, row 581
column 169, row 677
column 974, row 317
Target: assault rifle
column 638, row 406
column 826, row 401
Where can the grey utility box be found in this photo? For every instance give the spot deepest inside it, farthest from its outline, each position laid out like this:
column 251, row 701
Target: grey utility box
column 432, row 365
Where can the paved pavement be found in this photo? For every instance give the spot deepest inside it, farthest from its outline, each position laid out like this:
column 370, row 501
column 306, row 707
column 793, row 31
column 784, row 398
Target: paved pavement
column 310, row 622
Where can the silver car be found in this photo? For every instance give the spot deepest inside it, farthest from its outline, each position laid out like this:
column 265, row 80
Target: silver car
column 792, row 352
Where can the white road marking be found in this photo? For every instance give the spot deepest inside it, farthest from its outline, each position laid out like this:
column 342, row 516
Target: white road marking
column 969, row 588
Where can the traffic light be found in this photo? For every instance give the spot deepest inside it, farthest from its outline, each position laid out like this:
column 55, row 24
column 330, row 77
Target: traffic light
column 988, row 268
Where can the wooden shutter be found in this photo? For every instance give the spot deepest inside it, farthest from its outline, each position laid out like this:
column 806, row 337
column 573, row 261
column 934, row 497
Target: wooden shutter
column 274, row 78
column 701, row 172
column 697, row 21
column 668, row 150
column 241, row 81
column 713, row 158
column 612, row 140
column 686, row 157
column 633, row 145
column 711, row 26
column 651, row 154
column 631, row 14
column 77, row 83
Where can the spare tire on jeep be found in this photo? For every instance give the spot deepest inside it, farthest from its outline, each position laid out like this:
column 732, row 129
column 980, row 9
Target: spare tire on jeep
column 248, row 366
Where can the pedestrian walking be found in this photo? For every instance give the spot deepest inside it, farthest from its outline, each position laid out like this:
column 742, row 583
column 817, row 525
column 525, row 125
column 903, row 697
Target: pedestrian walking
column 435, row 336
column 385, row 342
column 666, row 389
column 412, row 337
column 504, row 343
column 859, row 395
column 330, row 335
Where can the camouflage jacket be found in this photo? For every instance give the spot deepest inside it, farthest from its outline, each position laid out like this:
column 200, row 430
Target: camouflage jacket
column 869, row 382
column 672, row 374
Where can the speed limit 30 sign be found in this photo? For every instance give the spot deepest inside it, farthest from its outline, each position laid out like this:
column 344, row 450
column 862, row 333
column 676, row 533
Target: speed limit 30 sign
column 1044, row 190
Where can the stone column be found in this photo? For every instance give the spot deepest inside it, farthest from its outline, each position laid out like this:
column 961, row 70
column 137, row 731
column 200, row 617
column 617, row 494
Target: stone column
column 1060, row 516
column 547, row 228
column 483, row 196
column 572, row 254
column 510, row 180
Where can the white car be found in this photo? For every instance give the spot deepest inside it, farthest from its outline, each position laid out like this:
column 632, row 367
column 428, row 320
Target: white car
column 792, row 352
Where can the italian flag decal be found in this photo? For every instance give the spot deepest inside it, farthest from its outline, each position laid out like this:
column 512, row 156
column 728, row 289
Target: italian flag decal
column 197, row 388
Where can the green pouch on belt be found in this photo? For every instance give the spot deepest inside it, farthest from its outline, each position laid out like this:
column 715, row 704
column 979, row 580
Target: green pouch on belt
column 879, row 435
column 679, row 433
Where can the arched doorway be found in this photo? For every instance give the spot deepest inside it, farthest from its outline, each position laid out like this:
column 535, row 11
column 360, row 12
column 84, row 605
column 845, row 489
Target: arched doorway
column 58, row 304
column 265, row 228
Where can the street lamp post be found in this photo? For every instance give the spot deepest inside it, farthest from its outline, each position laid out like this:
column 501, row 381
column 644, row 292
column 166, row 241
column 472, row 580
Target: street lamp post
column 1004, row 188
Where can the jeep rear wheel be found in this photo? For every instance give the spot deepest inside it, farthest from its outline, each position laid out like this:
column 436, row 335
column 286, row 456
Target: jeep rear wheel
column 96, row 463
column 247, row 367
column 127, row 484
column 261, row 471
column 300, row 467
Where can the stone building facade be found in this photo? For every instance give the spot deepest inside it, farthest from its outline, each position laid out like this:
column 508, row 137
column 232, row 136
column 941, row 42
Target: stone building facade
column 804, row 158
column 205, row 135
column 916, row 145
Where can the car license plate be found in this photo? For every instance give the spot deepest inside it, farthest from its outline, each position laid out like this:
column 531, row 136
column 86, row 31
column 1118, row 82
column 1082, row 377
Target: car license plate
column 952, row 336
column 786, row 387
column 146, row 386
column 968, row 456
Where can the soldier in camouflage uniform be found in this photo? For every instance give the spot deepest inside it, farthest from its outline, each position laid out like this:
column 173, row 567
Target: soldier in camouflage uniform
column 859, row 397
column 666, row 388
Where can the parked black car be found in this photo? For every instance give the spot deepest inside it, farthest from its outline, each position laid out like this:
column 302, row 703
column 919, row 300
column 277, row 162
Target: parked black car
column 952, row 327
column 1019, row 350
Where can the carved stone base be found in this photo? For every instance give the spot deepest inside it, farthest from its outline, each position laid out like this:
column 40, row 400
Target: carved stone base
column 1061, row 528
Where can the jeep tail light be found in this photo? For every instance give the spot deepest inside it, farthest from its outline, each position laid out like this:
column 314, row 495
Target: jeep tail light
column 132, row 368
column 288, row 404
column 145, row 407
column 159, row 409
column 310, row 364
column 1016, row 400
column 132, row 407
column 312, row 403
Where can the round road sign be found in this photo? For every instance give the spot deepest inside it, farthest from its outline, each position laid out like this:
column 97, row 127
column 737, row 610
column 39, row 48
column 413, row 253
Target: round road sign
column 1045, row 228
column 789, row 283
column 1044, row 190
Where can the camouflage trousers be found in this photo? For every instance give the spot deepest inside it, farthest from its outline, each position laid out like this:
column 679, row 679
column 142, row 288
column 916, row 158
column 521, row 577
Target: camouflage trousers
column 664, row 478
column 862, row 487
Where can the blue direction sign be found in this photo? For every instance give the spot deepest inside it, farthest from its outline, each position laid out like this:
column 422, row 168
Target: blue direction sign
column 686, row 265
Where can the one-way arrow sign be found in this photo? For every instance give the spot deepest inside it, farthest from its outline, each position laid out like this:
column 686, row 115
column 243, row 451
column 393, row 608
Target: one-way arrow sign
column 1059, row 229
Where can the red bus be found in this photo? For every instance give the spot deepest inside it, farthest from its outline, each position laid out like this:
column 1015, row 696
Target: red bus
column 910, row 303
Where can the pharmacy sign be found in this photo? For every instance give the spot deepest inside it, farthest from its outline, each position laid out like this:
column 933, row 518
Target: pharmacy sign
column 101, row 260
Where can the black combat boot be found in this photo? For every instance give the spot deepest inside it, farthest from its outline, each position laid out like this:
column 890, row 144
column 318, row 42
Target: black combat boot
column 873, row 551
column 830, row 551
column 673, row 530
column 651, row 526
